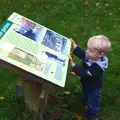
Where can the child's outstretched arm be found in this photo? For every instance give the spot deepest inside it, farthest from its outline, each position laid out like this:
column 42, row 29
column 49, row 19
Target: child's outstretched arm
column 75, row 68
column 93, row 71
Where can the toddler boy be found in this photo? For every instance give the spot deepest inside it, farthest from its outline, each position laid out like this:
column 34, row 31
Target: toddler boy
column 91, row 72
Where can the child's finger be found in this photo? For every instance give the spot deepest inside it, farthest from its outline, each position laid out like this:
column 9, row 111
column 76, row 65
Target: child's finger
column 70, row 57
column 71, row 40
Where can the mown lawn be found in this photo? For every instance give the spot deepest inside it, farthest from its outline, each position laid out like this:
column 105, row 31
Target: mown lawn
column 78, row 19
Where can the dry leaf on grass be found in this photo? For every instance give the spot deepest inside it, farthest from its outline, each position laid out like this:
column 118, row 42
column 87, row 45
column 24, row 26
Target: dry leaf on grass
column 67, row 92
column 2, row 98
column 79, row 118
column 72, row 73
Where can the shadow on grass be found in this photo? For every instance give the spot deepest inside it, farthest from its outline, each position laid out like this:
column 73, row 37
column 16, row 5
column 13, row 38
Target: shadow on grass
column 61, row 107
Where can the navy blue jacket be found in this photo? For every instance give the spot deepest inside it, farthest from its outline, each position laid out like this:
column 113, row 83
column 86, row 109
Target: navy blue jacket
column 91, row 72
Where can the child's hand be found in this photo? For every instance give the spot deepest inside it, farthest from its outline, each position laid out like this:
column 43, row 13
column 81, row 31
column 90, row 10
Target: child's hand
column 71, row 61
column 74, row 45
column 70, row 57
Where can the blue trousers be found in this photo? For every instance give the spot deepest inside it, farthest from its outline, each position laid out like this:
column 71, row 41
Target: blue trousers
column 92, row 99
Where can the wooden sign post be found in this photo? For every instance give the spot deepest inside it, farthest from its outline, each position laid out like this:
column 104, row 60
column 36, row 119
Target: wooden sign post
column 34, row 90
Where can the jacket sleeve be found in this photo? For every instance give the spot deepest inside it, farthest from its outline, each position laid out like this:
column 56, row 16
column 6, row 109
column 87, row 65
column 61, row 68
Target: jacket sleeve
column 79, row 52
column 91, row 72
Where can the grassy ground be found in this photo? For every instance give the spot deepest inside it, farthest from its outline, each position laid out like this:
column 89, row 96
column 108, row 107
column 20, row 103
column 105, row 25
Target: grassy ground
column 79, row 20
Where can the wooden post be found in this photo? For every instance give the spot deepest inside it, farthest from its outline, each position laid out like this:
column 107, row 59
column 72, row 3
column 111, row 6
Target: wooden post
column 34, row 90
column 35, row 96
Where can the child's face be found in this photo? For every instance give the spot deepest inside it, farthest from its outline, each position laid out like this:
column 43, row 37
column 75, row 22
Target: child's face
column 93, row 52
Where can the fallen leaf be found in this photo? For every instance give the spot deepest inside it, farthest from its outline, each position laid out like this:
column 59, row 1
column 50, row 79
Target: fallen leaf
column 84, row 33
column 65, row 26
column 98, row 27
column 9, row 81
column 68, row 28
column 106, row 4
column 67, row 92
column 110, row 14
column 2, row 98
column 97, row 4
column 49, row 14
column 72, row 73
column 116, row 100
column 86, row 3
column 24, row 6
column 86, row 15
column 73, row 6
column 79, row 117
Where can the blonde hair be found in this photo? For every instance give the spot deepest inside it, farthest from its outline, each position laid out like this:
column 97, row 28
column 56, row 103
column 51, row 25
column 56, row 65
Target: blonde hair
column 101, row 43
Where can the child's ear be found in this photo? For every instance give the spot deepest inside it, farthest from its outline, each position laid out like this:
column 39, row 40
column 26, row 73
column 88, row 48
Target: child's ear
column 102, row 54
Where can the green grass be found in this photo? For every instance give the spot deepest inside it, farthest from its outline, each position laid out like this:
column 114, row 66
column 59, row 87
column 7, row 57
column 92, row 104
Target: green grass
column 78, row 20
